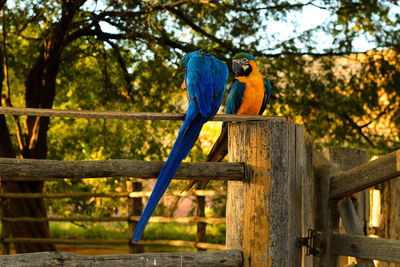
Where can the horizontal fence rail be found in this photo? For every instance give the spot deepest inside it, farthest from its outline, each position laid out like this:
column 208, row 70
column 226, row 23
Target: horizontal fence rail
column 123, row 115
column 176, row 243
column 154, row 219
column 366, row 175
column 366, row 247
column 28, row 169
column 141, row 194
column 231, row 258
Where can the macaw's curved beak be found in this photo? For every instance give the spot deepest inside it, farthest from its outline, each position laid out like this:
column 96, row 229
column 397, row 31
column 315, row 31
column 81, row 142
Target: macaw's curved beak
column 237, row 69
column 241, row 70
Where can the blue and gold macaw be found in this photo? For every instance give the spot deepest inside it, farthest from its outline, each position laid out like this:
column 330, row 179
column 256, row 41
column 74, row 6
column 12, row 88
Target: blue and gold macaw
column 248, row 94
column 205, row 80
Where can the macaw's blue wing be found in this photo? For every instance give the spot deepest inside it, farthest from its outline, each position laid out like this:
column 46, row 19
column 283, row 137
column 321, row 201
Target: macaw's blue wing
column 267, row 96
column 206, row 79
column 235, row 97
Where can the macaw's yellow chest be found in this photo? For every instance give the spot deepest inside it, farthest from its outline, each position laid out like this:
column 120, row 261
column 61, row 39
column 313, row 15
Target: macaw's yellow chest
column 253, row 95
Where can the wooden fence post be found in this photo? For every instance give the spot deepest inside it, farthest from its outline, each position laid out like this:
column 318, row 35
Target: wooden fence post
column 345, row 159
column 135, row 207
column 263, row 216
column 348, row 158
column 326, row 216
column 5, row 227
column 201, row 235
column 308, row 194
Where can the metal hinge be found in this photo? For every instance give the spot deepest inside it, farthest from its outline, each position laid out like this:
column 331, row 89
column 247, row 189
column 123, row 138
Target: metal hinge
column 312, row 242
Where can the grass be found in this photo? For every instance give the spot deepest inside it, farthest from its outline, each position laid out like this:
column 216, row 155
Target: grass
column 119, row 230
column 115, row 230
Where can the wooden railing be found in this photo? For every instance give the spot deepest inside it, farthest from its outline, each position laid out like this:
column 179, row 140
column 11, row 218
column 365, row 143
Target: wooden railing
column 27, row 169
column 278, row 188
column 12, row 169
column 335, row 187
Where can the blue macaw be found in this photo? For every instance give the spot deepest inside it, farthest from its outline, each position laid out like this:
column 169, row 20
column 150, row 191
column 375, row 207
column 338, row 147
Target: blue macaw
column 248, row 94
column 205, row 80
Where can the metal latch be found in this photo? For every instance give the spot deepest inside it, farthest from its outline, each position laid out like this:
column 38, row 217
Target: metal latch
column 312, row 242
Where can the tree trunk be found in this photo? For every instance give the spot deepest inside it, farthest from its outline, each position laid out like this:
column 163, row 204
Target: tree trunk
column 39, row 93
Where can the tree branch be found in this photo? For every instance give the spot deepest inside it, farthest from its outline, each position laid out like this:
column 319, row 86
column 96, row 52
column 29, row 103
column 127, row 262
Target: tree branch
column 377, row 117
column 190, row 23
column 122, row 64
column 29, row 21
column 7, row 99
column 226, row 6
column 133, row 14
column 358, row 129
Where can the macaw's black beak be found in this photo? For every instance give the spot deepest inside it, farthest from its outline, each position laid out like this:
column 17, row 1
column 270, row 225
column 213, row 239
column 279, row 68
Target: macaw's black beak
column 237, row 69
column 241, row 70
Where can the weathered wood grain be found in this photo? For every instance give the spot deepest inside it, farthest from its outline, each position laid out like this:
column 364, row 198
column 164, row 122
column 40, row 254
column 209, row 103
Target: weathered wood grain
column 352, row 225
column 31, row 168
column 326, row 218
column 308, row 194
column 156, row 219
column 263, row 213
column 112, row 195
column 348, row 158
column 366, row 247
column 176, row 243
column 229, row 258
column 345, row 159
column 122, row 115
column 366, row 175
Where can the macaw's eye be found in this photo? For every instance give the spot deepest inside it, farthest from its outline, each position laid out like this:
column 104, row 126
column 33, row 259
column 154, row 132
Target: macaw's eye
column 244, row 61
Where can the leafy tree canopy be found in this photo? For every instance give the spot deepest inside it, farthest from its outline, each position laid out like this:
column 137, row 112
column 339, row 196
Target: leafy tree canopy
column 123, row 55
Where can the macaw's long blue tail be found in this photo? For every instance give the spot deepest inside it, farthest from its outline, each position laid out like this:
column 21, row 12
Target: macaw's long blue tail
column 187, row 136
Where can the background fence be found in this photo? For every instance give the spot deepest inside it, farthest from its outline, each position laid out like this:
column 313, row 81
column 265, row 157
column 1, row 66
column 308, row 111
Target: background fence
column 134, row 207
column 19, row 170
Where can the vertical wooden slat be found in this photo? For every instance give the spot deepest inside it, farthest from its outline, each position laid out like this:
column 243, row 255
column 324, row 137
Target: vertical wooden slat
column 295, row 187
column 307, row 200
column 346, row 159
column 264, row 213
column 5, row 228
column 135, row 207
column 351, row 223
column 326, row 217
column 201, row 226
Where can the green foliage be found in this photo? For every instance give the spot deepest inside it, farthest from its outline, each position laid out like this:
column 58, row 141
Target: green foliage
column 343, row 101
column 123, row 55
column 187, row 232
column 115, row 230
column 118, row 230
